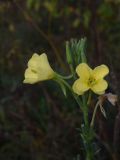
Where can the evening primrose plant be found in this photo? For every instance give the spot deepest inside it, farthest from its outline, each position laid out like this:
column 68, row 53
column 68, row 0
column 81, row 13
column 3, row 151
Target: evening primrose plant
column 86, row 82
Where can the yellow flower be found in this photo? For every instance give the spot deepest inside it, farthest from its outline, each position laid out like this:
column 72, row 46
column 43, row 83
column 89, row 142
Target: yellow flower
column 38, row 69
column 90, row 79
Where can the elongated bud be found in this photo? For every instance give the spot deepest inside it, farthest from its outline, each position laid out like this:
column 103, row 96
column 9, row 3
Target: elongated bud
column 68, row 53
column 82, row 49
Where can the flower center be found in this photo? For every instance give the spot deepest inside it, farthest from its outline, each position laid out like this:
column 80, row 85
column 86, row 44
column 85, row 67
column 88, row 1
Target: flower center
column 91, row 81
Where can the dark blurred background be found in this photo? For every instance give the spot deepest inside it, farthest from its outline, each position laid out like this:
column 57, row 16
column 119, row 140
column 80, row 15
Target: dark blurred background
column 36, row 121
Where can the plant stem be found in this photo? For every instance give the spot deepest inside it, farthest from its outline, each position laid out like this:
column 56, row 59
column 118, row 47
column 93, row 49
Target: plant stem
column 64, row 77
column 85, row 112
column 87, row 131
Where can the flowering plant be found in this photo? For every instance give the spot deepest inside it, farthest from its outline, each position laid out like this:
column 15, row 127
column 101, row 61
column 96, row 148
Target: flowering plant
column 90, row 81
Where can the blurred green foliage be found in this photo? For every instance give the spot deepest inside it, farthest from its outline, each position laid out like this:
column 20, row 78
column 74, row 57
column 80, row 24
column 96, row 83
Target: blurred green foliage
column 36, row 122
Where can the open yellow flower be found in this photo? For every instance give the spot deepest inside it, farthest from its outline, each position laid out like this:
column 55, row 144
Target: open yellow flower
column 38, row 69
column 90, row 79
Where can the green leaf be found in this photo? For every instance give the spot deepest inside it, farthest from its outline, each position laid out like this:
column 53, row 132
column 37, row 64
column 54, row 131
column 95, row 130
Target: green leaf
column 63, row 89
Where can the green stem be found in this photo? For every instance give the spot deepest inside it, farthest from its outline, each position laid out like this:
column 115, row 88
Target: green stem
column 85, row 111
column 64, row 77
column 87, row 132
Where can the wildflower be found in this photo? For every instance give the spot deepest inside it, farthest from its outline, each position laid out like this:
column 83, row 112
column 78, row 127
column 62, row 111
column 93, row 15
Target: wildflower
column 38, row 69
column 90, row 79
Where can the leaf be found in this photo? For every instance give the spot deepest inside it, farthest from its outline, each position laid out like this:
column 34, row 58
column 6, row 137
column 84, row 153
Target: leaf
column 63, row 89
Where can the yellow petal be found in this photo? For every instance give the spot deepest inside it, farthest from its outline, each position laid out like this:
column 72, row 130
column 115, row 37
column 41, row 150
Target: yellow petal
column 44, row 64
column 39, row 62
column 100, row 87
column 30, row 76
column 100, row 72
column 79, row 87
column 83, row 71
column 33, row 63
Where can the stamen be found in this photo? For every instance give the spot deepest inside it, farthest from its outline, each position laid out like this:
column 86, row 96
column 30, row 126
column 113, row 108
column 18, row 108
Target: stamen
column 91, row 81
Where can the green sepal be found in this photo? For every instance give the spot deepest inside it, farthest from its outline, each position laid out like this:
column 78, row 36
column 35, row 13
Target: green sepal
column 63, row 88
column 68, row 53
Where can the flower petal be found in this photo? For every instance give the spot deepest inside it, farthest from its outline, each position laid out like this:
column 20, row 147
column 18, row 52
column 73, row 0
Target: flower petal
column 79, row 87
column 44, row 64
column 83, row 71
column 40, row 63
column 100, row 72
column 100, row 87
column 34, row 61
column 30, row 76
